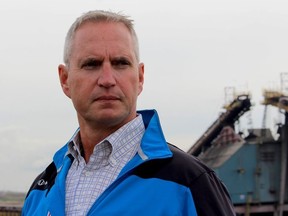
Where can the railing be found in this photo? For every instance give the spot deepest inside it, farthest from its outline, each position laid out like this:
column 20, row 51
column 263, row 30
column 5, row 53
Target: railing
column 10, row 210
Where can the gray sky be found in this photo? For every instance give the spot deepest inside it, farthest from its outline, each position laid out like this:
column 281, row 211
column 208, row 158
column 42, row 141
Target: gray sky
column 192, row 50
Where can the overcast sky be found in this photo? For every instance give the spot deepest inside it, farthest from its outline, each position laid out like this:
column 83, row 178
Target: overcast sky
column 192, row 50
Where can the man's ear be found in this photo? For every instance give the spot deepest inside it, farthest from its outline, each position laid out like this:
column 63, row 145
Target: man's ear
column 141, row 77
column 63, row 77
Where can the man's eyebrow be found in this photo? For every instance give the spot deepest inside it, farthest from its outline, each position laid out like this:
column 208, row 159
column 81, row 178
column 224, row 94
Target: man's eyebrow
column 121, row 58
column 90, row 59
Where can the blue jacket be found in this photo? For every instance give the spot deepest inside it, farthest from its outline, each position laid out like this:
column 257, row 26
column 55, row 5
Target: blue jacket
column 160, row 180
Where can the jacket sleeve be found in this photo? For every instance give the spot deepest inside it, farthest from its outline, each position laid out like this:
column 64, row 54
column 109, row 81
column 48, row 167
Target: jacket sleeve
column 211, row 197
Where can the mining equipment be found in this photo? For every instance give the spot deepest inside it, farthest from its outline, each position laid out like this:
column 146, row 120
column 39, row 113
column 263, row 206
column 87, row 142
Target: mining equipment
column 253, row 166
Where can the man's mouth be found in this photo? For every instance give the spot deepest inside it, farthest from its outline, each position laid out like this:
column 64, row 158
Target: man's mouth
column 107, row 98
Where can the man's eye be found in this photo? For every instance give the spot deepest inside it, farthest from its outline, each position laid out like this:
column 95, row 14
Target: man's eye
column 91, row 64
column 121, row 63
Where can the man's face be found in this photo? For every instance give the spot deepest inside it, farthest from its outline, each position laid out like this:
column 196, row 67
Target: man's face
column 104, row 78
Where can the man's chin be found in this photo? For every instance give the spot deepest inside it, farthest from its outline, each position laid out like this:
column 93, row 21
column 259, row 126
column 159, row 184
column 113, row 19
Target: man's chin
column 112, row 118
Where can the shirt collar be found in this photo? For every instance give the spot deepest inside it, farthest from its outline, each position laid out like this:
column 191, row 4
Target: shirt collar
column 74, row 146
column 125, row 139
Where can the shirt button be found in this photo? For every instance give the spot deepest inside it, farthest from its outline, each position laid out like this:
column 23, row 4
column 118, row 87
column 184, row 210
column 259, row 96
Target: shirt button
column 87, row 174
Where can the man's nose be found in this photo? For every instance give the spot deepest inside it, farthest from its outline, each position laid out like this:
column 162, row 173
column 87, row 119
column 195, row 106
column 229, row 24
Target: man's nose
column 107, row 77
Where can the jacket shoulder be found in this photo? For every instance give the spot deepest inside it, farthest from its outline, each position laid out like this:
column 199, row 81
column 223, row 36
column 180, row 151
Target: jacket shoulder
column 210, row 195
column 45, row 180
column 187, row 164
column 181, row 168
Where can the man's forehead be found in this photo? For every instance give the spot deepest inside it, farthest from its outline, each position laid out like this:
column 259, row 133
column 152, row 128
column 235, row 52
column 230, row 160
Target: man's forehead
column 102, row 24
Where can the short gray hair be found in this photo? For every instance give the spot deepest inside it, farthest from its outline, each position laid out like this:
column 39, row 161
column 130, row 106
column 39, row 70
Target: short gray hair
column 98, row 16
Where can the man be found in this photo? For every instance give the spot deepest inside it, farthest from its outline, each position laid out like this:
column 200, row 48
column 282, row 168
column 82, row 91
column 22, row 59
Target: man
column 118, row 161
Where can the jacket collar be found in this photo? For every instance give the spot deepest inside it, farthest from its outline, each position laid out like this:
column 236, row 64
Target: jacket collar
column 153, row 144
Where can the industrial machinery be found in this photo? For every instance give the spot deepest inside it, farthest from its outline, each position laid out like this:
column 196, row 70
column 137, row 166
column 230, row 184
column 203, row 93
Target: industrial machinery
column 233, row 112
column 253, row 167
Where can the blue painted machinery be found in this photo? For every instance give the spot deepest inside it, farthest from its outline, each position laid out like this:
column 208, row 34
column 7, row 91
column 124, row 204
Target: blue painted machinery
column 254, row 167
